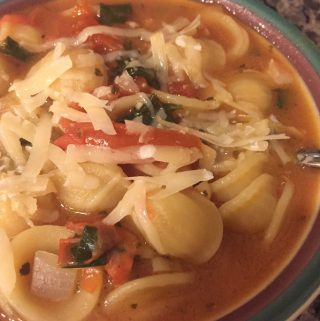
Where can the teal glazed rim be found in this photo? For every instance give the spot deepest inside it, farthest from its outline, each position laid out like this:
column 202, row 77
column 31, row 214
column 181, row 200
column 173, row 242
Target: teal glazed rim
column 301, row 279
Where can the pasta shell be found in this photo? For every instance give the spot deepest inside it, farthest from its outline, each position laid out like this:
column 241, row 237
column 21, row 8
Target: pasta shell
column 251, row 87
column 148, row 294
column 30, row 307
column 233, row 183
column 189, row 226
column 252, row 209
column 105, row 197
column 213, row 55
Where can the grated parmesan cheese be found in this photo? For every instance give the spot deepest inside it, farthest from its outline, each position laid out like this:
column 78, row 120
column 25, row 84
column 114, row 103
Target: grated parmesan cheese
column 95, row 110
column 175, row 182
column 42, row 78
column 40, row 146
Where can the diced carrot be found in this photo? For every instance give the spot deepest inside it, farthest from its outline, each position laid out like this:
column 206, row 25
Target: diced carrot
column 119, row 267
column 90, row 279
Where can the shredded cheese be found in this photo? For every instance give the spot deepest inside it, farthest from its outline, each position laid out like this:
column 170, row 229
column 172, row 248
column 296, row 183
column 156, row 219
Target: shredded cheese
column 95, row 110
column 175, row 182
column 42, row 78
column 40, row 146
column 189, row 103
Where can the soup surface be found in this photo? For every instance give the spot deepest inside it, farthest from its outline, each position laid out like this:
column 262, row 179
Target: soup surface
column 147, row 162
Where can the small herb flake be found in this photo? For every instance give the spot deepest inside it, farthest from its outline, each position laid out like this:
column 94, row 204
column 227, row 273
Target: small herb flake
column 24, row 142
column 98, row 72
column 281, row 97
column 25, row 269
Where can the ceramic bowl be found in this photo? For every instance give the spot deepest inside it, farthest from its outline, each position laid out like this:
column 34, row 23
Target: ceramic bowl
column 299, row 283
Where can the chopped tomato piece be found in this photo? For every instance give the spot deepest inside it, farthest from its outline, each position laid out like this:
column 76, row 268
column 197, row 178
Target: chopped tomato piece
column 54, row 25
column 84, row 134
column 183, row 88
column 83, row 17
column 64, row 254
column 103, row 44
column 142, row 84
column 90, row 279
column 119, row 267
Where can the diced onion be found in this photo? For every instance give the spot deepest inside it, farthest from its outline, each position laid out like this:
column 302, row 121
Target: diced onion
column 49, row 281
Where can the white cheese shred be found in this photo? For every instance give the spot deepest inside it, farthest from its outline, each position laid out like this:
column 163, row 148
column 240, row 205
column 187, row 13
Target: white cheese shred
column 40, row 147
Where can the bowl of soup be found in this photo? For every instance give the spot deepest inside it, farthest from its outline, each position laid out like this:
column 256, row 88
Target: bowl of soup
column 149, row 162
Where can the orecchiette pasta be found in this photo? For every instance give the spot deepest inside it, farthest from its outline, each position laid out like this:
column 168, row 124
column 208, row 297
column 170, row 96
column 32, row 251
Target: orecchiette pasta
column 251, row 210
column 112, row 187
column 24, row 246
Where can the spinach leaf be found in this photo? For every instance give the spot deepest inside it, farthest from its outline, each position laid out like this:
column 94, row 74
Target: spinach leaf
column 147, row 73
column 146, row 114
column 102, row 260
column 88, row 243
column 168, row 108
column 117, row 13
column 10, row 47
column 118, row 69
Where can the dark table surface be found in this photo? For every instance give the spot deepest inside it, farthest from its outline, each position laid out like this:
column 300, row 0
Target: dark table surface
column 306, row 15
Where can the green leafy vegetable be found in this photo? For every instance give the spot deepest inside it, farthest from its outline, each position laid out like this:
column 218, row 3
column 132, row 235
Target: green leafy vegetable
column 168, row 109
column 102, row 260
column 121, row 64
column 146, row 114
column 111, row 14
column 87, row 245
column 10, row 47
column 147, row 73
column 281, row 97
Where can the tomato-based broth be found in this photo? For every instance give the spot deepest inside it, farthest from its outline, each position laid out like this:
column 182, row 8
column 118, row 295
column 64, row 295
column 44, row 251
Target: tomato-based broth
column 148, row 162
